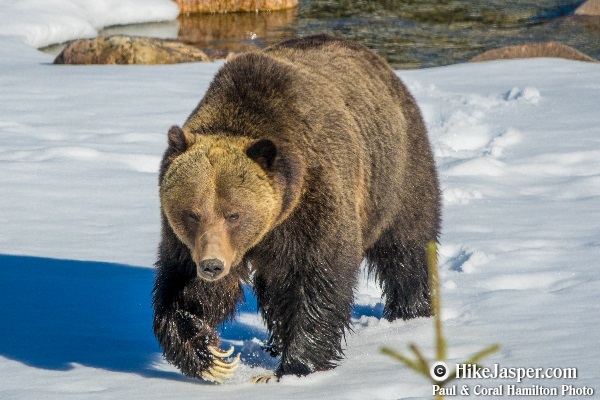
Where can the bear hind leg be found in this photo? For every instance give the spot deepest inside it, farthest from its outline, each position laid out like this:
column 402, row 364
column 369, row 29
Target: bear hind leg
column 400, row 266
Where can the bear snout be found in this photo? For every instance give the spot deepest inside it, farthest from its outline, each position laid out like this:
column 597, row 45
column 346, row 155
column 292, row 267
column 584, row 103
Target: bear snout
column 211, row 269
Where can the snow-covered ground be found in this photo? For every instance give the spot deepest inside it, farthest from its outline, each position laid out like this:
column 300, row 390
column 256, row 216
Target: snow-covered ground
column 45, row 22
column 518, row 149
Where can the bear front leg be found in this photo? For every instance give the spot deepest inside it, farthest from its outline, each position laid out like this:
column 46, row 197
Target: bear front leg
column 193, row 347
column 185, row 322
column 307, row 310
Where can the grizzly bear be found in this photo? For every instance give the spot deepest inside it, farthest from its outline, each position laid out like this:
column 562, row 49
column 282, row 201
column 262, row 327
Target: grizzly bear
column 300, row 161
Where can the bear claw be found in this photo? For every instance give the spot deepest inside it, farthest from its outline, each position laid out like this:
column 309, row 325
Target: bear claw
column 220, row 368
column 220, row 353
column 263, row 378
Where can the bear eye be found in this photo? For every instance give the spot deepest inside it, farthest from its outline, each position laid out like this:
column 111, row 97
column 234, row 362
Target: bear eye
column 232, row 217
column 192, row 216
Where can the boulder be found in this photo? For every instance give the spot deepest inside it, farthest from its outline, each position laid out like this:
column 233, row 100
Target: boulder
column 213, row 6
column 545, row 49
column 590, row 7
column 128, row 50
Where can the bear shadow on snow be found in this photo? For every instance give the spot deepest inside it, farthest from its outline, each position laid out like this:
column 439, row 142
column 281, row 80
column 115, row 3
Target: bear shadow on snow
column 57, row 312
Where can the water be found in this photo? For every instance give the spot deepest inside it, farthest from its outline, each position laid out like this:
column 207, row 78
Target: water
column 409, row 33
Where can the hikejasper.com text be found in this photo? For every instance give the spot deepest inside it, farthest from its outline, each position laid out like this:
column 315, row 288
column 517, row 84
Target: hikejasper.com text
column 473, row 371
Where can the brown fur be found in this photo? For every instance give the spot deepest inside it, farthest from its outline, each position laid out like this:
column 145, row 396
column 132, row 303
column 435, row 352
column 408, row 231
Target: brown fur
column 210, row 182
column 323, row 154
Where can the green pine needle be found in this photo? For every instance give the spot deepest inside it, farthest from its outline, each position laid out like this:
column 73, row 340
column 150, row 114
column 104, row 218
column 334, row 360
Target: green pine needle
column 421, row 365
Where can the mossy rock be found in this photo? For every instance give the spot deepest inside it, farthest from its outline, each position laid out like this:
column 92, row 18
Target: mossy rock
column 590, row 7
column 129, row 50
column 529, row 50
column 214, row 6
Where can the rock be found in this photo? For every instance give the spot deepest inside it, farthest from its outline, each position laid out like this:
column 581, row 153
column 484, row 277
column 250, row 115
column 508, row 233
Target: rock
column 590, row 7
column 212, row 6
column 128, row 50
column 545, row 49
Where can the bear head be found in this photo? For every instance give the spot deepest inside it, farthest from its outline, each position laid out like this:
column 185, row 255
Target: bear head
column 222, row 194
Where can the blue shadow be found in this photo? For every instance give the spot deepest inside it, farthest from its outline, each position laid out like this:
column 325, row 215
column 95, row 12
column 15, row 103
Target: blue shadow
column 58, row 312
column 367, row 311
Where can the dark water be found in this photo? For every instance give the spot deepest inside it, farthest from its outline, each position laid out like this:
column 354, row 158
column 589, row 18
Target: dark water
column 409, row 33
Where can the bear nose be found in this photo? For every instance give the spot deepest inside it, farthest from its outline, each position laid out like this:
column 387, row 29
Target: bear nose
column 212, row 267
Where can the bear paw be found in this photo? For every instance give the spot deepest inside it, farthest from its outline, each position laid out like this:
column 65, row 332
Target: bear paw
column 220, row 368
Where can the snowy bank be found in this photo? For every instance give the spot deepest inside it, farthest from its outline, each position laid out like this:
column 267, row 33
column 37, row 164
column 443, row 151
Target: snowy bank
column 42, row 23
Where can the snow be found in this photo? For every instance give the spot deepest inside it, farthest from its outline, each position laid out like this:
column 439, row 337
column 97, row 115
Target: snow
column 45, row 22
column 517, row 144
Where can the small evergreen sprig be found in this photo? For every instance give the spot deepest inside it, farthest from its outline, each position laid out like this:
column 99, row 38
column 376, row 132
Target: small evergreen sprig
column 420, row 364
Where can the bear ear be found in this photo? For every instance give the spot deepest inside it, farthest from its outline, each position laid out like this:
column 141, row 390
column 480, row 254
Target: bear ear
column 263, row 152
column 179, row 141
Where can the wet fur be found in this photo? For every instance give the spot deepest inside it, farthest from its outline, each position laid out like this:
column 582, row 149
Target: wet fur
column 357, row 181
